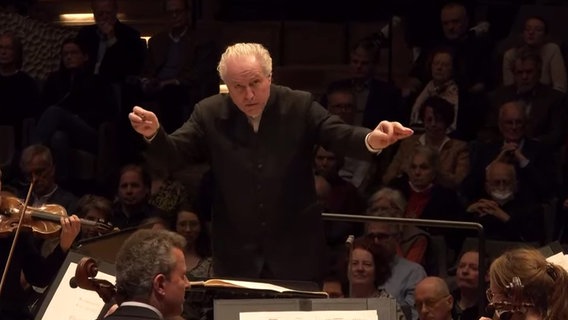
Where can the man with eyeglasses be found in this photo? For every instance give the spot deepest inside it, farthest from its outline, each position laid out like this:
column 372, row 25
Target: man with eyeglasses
column 433, row 300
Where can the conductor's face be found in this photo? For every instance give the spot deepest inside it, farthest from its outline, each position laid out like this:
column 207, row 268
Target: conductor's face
column 249, row 86
column 175, row 285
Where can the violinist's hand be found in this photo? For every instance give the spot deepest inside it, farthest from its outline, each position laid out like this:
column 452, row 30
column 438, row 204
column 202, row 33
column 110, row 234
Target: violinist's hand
column 70, row 228
column 144, row 122
column 387, row 133
column 111, row 310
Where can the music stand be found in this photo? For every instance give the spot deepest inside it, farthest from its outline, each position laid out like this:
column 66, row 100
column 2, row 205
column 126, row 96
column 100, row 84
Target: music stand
column 64, row 302
column 105, row 247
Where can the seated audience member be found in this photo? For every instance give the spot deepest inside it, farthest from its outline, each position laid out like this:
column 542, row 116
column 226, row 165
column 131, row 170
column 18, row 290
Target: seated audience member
column 97, row 209
column 442, row 85
column 433, row 300
column 544, row 107
column 472, row 52
column 523, row 285
column 367, row 271
column 180, row 69
column 533, row 162
column 166, row 193
column 404, row 273
column 553, row 72
column 504, row 212
column 339, row 196
column 334, row 285
column 19, row 93
column 427, row 199
column 77, row 103
column 466, row 296
column 131, row 206
column 339, row 99
column 436, row 114
column 375, row 99
column 197, row 253
column 28, row 261
column 412, row 242
column 150, row 276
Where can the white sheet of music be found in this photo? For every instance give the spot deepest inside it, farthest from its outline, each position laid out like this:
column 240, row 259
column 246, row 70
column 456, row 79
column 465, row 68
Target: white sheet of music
column 310, row 315
column 75, row 304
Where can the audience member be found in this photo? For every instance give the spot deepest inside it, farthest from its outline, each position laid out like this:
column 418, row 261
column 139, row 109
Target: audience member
column 436, row 114
column 533, row 162
column 19, row 93
column 131, row 206
column 466, row 295
column 115, row 50
column 166, row 193
column 543, row 106
column 151, row 276
column 97, row 209
column 534, row 34
column 433, row 299
column 269, row 192
column 77, row 103
column 504, row 212
column 412, row 242
column 180, row 67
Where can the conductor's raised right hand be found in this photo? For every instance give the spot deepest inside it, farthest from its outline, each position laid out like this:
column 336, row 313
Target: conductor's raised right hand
column 144, row 122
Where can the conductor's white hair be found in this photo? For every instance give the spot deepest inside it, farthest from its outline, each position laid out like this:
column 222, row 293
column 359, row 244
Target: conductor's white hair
column 239, row 50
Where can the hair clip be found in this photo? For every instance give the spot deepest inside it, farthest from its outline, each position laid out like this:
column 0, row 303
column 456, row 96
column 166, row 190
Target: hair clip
column 551, row 271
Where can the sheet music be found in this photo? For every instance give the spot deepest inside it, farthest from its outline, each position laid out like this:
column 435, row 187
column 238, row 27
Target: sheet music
column 560, row 259
column 311, row 315
column 75, row 304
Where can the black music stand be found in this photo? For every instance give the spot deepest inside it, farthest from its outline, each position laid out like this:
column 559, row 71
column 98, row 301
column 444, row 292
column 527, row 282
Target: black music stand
column 105, row 247
column 63, row 302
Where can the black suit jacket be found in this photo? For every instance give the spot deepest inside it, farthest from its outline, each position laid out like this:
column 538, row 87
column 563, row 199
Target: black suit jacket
column 124, row 58
column 264, row 210
column 133, row 312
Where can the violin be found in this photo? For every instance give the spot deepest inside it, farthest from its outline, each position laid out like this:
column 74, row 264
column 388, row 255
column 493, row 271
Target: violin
column 514, row 302
column 42, row 221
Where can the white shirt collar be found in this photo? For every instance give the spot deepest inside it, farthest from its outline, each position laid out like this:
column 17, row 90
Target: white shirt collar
column 142, row 305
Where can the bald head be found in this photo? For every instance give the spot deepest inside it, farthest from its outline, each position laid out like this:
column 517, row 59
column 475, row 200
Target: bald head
column 433, row 300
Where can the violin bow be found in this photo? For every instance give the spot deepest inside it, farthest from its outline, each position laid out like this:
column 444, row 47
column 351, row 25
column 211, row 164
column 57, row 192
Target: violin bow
column 16, row 235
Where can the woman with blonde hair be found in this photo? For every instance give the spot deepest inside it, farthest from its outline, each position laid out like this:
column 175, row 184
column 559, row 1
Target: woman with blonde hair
column 523, row 285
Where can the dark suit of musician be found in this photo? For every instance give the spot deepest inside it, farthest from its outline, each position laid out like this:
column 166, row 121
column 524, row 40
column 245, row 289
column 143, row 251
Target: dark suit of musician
column 130, row 312
column 265, row 216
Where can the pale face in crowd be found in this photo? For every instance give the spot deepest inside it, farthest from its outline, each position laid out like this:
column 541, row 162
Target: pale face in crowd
column 500, row 178
column 325, row 162
column 534, row 32
column 342, row 104
column 421, row 172
column 467, row 274
column 104, row 13
column 96, row 215
column 454, row 22
column 189, row 226
column 249, row 86
column 442, row 67
column 174, row 286
column 362, row 267
column 434, row 127
column 361, row 63
column 178, row 13
column 7, row 52
column 131, row 188
column 72, row 56
column 526, row 75
column 512, row 122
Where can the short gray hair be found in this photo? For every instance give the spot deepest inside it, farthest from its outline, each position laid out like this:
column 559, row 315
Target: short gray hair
column 246, row 50
column 145, row 254
column 394, row 196
column 33, row 151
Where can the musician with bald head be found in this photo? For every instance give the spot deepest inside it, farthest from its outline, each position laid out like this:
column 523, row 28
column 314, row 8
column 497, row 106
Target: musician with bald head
column 432, row 299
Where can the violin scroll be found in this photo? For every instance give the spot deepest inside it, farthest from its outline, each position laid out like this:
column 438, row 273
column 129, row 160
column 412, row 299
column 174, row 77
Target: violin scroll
column 84, row 278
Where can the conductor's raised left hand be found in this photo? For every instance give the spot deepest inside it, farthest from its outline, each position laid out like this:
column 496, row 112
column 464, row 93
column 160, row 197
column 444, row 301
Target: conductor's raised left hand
column 388, row 133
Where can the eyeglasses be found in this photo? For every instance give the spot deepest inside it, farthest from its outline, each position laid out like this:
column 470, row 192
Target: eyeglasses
column 380, row 235
column 428, row 303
